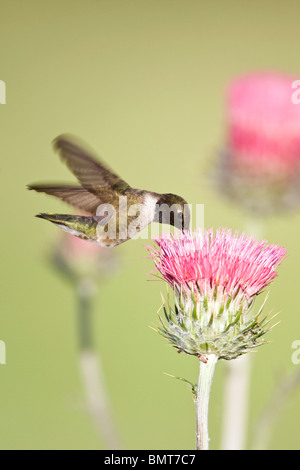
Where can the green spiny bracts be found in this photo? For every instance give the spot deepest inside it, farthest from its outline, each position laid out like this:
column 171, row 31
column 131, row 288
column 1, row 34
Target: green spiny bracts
column 206, row 327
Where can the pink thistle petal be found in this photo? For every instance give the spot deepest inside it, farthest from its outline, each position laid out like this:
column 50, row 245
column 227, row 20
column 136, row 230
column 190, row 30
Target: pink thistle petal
column 204, row 261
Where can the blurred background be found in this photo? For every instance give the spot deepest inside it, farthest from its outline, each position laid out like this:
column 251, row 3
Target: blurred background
column 144, row 84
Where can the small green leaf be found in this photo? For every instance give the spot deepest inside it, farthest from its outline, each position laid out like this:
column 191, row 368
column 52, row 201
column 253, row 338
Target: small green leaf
column 191, row 385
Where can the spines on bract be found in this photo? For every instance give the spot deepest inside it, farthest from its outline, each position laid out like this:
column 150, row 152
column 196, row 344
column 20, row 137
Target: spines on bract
column 225, row 333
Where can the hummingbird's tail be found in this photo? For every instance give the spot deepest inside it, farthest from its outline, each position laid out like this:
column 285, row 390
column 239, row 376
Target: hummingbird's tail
column 80, row 226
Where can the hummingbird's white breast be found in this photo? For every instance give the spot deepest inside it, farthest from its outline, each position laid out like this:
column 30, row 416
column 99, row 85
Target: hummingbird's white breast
column 150, row 206
column 144, row 211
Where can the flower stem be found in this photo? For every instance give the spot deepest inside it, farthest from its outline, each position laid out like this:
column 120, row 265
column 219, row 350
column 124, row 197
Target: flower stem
column 236, row 403
column 91, row 371
column 203, row 391
column 85, row 297
column 265, row 424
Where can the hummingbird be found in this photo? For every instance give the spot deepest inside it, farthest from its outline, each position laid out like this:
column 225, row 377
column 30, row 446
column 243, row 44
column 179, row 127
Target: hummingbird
column 114, row 211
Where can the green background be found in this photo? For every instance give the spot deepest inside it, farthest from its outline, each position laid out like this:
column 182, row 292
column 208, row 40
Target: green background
column 144, row 83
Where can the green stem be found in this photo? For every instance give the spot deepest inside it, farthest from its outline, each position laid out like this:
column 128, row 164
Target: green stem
column 91, row 370
column 202, row 402
column 85, row 298
column 265, row 424
column 236, row 403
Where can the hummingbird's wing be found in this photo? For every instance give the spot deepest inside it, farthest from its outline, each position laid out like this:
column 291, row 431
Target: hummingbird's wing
column 74, row 195
column 92, row 174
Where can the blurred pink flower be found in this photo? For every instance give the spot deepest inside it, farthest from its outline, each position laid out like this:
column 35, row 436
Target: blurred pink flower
column 264, row 123
column 259, row 166
column 83, row 249
column 226, row 260
column 83, row 259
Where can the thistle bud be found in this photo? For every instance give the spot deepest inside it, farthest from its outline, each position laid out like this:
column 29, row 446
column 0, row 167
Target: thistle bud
column 79, row 259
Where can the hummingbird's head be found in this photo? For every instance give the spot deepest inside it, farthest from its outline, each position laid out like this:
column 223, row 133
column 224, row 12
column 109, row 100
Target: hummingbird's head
column 173, row 210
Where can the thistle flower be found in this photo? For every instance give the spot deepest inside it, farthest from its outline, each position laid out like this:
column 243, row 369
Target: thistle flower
column 80, row 259
column 215, row 279
column 260, row 164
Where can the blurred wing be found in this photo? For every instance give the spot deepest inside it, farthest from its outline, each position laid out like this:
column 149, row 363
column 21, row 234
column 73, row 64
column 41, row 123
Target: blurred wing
column 91, row 173
column 73, row 195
